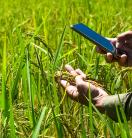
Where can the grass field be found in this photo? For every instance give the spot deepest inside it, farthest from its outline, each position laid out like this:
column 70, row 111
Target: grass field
column 35, row 42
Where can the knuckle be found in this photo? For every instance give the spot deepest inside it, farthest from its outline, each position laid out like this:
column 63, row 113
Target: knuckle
column 79, row 78
column 77, row 69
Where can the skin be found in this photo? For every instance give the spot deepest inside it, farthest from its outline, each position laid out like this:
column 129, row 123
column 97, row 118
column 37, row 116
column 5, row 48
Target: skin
column 81, row 89
column 124, row 43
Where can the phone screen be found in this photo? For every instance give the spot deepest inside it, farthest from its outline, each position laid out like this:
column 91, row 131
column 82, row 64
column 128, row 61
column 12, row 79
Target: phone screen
column 94, row 37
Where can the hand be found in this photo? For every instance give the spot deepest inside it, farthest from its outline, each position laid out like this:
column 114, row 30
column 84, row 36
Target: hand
column 79, row 90
column 122, row 42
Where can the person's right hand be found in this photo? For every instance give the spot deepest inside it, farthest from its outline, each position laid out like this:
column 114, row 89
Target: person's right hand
column 124, row 43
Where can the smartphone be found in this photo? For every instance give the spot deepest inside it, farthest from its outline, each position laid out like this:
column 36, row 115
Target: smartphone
column 96, row 38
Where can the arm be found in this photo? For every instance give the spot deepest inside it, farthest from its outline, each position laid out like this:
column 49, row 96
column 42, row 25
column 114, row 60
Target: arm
column 103, row 102
column 111, row 103
column 80, row 89
column 123, row 42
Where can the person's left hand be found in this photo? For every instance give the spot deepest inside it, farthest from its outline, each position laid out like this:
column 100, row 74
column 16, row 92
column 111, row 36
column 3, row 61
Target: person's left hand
column 80, row 90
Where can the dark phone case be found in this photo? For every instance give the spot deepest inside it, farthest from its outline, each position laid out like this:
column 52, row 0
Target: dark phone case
column 94, row 37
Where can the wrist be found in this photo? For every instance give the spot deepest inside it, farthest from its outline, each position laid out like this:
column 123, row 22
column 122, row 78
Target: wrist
column 99, row 104
column 99, row 100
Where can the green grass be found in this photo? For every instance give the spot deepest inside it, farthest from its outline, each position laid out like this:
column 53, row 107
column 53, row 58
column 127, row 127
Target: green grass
column 35, row 42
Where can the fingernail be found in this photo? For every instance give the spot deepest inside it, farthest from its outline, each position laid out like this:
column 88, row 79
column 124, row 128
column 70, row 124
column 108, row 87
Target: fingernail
column 109, row 57
column 63, row 82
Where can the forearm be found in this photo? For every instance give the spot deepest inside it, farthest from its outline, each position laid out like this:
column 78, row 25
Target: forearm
column 114, row 102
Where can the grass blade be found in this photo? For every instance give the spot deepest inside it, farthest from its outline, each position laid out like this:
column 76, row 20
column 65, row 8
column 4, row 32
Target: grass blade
column 37, row 128
column 4, row 94
column 59, row 48
column 29, row 88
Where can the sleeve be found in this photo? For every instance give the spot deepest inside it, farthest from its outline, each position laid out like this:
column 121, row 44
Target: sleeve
column 115, row 102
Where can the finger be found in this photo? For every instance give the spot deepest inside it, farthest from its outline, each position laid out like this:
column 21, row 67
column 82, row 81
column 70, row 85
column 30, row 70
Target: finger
column 82, row 85
column 122, row 48
column 70, row 70
column 109, row 57
column 124, row 36
column 123, row 60
column 120, row 44
column 70, row 89
column 100, row 50
column 64, row 83
column 79, row 80
column 72, row 92
column 79, row 72
column 112, row 40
